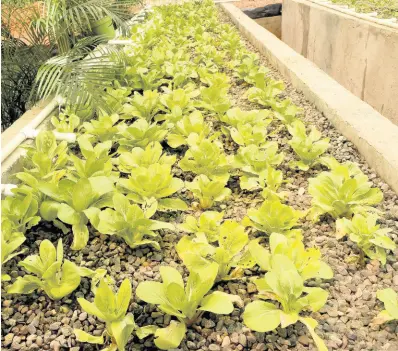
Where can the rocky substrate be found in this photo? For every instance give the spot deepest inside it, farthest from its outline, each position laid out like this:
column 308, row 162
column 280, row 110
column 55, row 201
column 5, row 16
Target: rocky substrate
column 34, row 322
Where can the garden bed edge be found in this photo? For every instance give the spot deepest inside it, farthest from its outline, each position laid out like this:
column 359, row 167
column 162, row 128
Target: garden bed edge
column 374, row 135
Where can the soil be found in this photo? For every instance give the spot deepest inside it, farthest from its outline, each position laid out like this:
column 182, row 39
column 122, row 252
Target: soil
column 35, row 322
column 245, row 4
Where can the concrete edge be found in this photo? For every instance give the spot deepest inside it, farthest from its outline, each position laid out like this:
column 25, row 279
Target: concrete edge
column 374, row 135
column 368, row 17
column 15, row 161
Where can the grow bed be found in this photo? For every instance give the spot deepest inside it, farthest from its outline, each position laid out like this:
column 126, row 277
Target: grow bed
column 34, row 321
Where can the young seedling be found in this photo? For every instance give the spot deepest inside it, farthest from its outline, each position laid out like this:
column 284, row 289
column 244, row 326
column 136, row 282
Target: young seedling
column 187, row 303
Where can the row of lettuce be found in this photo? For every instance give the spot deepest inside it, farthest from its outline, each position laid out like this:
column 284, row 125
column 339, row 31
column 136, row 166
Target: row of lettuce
column 117, row 179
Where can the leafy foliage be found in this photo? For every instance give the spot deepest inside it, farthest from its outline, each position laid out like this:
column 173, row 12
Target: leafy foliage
column 214, row 100
column 253, row 159
column 235, row 116
column 231, row 251
column 20, row 212
column 10, row 242
column 370, row 238
column 144, row 106
column 246, row 134
column 104, row 128
column 140, row 134
column 256, row 166
column 138, row 157
column 51, row 273
column 249, row 68
column 65, row 123
column 307, row 261
column 390, row 299
column 185, row 303
column 275, row 217
column 192, row 124
column 97, row 161
column 128, row 222
column 265, row 91
column 207, row 158
column 176, row 104
column 207, row 224
column 286, row 111
column 284, row 284
column 308, row 147
column 208, row 191
column 342, row 191
column 153, row 186
column 73, row 202
column 46, row 157
column 112, row 309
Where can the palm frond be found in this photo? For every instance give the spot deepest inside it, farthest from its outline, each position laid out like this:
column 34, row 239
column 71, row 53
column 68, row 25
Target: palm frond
column 80, row 76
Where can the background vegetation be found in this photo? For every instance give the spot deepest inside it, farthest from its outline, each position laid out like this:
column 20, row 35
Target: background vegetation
column 43, row 46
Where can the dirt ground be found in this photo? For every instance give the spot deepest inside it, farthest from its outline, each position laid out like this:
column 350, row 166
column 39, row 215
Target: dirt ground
column 255, row 3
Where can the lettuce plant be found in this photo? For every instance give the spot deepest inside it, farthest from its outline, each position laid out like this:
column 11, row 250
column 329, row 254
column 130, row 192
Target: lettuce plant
column 214, row 100
column 153, row 186
column 269, row 180
column 140, row 133
column 187, row 303
column 97, row 161
column 275, row 217
column 284, row 284
column 208, row 225
column 207, row 158
column 208, row 191
column 176, row 104
column 192, row 124
column 128, row 222
column 50, row 272
column 248, row 68
column 92, row 167
column 65, row 123
column 10, row 242
column 230, row 40
column 138, row 157
column 370, row 238
column 220, row 80
column 73, row 202
column 308, row 262
column 309, row 147
column 142, row 78
column 246, row 134
column 390, row 299
column 341, row 192
column 112, row 309
column 144, row 106
column 104, row 128
column 30, row 186
column 20, row 212
column 181, row 73
column 265, row 91
column 231, row 251
column 285, row 111
column 209, row 56
column 253, row 159
column 89, row 150
column 46, row 158
column 235, row 116
column 116, row 100
column 256, row 165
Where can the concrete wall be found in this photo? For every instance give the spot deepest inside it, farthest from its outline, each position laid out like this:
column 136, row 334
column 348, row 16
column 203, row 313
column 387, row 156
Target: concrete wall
column 272, row 24
column 360, row 54
column 375, row 136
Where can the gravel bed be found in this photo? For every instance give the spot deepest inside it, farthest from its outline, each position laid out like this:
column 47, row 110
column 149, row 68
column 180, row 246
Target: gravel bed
column 34, row 322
